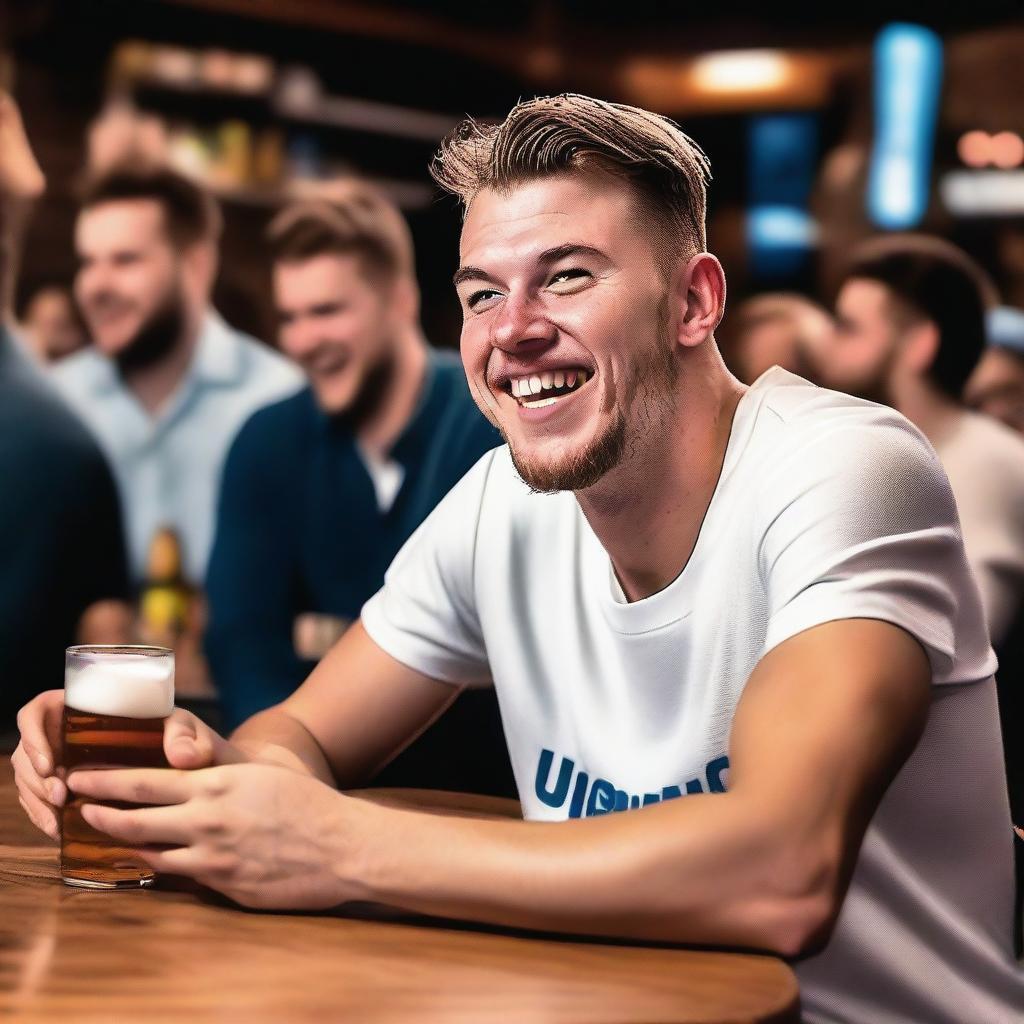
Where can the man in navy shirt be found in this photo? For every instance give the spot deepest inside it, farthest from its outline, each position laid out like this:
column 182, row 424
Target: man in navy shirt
column 321, row 490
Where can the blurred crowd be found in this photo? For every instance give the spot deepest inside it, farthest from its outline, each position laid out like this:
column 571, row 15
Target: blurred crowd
column 171, row 480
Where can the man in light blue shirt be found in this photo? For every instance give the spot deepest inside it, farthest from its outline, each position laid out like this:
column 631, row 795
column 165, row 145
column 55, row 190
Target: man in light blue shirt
column 167, row 383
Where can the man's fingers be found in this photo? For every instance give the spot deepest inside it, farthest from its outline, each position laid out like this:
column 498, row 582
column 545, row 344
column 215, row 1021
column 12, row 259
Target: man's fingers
column 146, row 825
column 56, row 792
column 215, row 870
column 189, row 743
column 26, row 778
column 41, row 816
column 133, row 785
column 39, row 725
column 182, row 860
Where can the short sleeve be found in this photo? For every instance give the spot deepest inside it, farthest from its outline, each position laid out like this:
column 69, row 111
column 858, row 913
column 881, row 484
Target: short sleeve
column 861, row 523
column 425, row 615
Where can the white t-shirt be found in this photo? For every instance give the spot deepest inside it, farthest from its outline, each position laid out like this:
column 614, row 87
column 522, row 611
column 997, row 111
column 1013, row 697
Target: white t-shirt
column 827, row 507
column 984, row 461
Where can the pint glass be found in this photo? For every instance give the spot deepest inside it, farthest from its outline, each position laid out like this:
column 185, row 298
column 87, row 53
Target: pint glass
column 115, row 703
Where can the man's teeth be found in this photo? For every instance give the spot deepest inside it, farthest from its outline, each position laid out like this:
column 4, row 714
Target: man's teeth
column 524, row 387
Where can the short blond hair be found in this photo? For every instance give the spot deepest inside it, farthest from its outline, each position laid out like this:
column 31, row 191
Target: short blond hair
column 573, row 133
column 354, row 218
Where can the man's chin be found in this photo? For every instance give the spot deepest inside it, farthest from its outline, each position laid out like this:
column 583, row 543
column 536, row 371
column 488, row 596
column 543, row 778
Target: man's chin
column 336, row 395
column 331, row 404
column 570, row 468
column 112, row 345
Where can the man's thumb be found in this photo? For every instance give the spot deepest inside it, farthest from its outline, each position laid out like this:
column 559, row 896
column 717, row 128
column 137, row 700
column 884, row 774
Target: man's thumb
column 184, row 745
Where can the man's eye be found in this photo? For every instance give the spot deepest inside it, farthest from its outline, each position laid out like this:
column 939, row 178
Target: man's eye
column 573, row 275
column 482, row 297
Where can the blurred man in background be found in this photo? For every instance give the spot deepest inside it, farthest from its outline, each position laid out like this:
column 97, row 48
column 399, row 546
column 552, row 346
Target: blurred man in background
column 61, row 546
column 167, row 384
column 51, row 326
column 775, row 329
column 322, row 489
column 910, row 329
column 996, row 387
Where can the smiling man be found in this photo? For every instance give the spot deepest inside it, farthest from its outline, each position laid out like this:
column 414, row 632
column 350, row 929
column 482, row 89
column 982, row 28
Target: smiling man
column 742, row 616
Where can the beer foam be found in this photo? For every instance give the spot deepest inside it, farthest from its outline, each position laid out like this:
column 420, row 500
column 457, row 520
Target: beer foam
column 130, row 686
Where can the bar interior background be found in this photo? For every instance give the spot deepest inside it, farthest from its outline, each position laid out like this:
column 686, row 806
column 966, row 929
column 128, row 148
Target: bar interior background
column 821, row 128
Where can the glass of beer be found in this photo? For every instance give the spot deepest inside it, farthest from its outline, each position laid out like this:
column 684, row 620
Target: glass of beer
column 115, row 703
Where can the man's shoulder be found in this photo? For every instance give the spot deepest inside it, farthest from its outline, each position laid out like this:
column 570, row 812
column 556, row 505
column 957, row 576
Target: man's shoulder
column 809, row 441
column 458, row 417
column 80, row 372
column 282, row 427
column 798, row 403
column 799, row 417
column 44, row 431
column 270, row 452
column 994, row 445
column 450, row 379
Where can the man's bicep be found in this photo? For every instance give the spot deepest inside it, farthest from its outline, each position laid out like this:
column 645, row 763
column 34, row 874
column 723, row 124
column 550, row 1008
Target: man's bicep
column 363, row 707
column 826, row 721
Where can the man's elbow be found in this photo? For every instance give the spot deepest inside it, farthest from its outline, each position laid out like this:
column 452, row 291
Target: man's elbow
column 804, row 927
column 806, row 907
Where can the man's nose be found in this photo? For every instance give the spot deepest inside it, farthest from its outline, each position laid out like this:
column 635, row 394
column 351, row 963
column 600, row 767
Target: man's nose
column 522, row 325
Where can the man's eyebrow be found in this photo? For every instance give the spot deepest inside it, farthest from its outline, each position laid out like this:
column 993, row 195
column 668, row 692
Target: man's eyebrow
column 469, row 274
column 559, row 252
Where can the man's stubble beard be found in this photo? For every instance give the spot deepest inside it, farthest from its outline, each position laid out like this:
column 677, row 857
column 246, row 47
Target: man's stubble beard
column 158, row 335
column 651, row 388
column 875, row 386
column 374, row 388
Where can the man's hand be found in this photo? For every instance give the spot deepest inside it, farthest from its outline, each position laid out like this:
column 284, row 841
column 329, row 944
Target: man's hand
column 39, row 773
column 263, row 835
column 36, row 761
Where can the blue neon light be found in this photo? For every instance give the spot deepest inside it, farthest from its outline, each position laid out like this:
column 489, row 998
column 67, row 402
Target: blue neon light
column 782, row 153
column 908, row 84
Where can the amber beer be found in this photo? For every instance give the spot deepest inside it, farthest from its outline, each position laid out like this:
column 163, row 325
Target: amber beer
column 115, row 702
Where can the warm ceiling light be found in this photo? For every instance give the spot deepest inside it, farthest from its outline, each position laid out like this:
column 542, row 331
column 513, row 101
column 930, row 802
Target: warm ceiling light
column 1006, row 150
column 973, row 148
column 741, row 71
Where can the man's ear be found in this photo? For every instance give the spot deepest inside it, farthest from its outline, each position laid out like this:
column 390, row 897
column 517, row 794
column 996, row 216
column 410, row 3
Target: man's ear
column 920, row 346
column 699, row 296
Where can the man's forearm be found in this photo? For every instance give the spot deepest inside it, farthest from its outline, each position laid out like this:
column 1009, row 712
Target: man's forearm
column 274, row 737
column 703, row 870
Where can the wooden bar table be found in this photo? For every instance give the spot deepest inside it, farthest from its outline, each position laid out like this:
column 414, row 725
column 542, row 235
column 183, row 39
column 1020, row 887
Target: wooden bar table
column 179, row 953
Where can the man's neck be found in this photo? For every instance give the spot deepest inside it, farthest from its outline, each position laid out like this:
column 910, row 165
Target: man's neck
column 153, row 386
column 932, row 412
column 379, row 432
column 647, row 513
